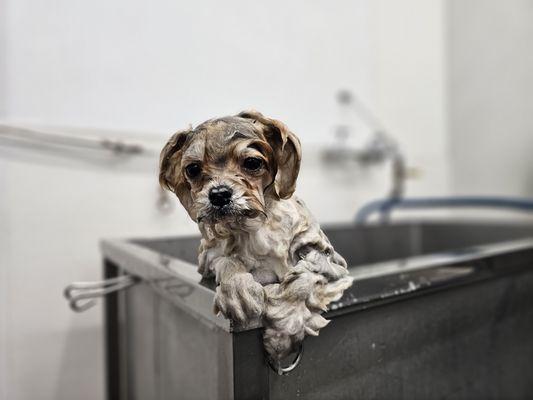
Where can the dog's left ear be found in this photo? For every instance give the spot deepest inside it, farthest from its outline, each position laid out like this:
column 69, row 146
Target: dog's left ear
column 287, row 152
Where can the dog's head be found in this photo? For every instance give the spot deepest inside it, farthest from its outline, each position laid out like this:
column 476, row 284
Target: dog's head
column 227, row 169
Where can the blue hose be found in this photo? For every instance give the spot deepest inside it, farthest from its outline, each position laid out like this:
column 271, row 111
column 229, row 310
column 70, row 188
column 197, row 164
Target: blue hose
column 387, row 205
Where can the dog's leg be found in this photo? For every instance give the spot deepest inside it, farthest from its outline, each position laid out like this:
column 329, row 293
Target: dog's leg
column 328, row 262
column 206, row 254
column 295, row 305
column 238, row 296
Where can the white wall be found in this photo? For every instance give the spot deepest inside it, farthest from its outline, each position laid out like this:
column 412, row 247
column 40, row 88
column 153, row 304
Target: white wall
column 411, row 70
column 491, row 96
column 138, row 66
column 158, row 66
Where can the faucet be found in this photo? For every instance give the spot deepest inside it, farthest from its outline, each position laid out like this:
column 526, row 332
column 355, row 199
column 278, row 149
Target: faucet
column 380, row 148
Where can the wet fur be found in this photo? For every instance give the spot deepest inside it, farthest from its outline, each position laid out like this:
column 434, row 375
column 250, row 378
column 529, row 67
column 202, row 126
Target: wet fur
column 267, row 253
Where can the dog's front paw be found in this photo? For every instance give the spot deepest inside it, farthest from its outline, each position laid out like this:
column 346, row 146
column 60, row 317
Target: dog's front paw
column 240, row 298
column 285, row 332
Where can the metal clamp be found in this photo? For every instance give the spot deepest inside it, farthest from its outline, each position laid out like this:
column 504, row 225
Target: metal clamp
column 279, row 369
column 81, row 295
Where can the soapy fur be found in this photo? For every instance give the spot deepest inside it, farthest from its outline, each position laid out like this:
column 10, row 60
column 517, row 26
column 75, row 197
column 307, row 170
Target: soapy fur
column 267, row 253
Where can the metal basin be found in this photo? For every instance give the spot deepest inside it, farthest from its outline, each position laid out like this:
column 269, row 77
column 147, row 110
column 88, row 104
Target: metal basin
column 438, row 310
column 376, row 243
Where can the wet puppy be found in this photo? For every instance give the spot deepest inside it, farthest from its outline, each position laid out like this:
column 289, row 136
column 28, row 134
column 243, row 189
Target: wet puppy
column 236, row 176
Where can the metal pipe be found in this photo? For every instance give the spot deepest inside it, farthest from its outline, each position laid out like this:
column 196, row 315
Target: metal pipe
column 24, row 137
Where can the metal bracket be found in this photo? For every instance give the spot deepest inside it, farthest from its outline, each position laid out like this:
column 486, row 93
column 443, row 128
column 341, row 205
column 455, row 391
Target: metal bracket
column 279, row 369
column 81, row 295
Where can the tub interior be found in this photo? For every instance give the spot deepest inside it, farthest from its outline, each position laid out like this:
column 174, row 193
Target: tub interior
column 361, row 245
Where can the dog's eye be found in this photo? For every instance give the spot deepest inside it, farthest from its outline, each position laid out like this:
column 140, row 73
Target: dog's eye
column 252, row 163
column 193, row 170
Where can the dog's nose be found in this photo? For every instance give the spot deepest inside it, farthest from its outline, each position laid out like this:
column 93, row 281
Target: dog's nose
column 220, row 196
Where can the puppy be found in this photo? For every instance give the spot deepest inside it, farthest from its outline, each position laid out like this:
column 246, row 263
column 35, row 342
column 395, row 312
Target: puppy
column 236, row 177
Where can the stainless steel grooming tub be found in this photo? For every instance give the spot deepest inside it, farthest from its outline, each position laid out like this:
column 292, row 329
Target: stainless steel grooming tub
column 438, row 310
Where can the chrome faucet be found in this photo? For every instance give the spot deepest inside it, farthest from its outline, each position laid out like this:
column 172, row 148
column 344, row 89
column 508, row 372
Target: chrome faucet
column 380, row 148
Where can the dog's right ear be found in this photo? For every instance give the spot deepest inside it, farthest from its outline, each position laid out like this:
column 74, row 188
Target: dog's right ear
column 166, row 167
column 170, row 173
